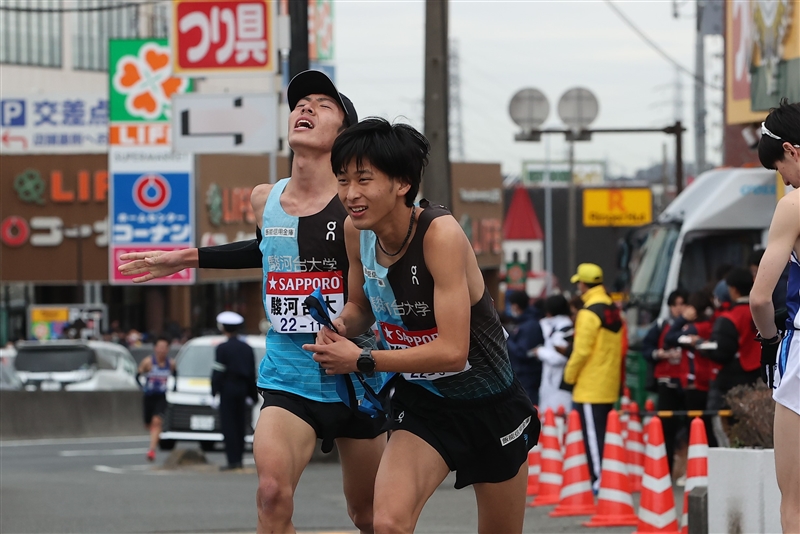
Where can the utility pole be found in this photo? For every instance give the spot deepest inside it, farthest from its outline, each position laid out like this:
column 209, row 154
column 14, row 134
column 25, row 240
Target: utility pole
column 699, row 94
column 298, row 61
column 298, row 53
column 678, row 129
column 572, row 209
column 455, row 119
column 436, row 183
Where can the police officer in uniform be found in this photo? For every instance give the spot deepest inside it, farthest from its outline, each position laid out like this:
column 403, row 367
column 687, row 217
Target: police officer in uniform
column 234, row 380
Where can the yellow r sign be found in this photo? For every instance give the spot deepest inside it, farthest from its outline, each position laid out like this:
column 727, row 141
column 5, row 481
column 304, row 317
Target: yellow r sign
column 617, row 207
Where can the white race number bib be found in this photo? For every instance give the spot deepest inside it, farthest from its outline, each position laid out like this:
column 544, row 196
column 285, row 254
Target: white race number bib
column 286, row 294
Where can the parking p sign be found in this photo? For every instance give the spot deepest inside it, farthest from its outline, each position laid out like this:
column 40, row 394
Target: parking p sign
column 12, row 112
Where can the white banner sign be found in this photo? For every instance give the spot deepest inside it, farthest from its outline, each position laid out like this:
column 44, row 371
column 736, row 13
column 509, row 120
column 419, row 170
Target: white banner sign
column 214, row 124
column 54, row 124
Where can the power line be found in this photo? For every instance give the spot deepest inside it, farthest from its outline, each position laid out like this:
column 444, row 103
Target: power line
column 106, row 7
column 657, row 48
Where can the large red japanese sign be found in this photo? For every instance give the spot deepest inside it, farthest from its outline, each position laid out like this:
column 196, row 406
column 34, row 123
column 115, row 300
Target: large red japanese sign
column 216, row 36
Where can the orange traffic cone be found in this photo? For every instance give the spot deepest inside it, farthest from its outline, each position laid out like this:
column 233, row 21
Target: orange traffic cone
column 649, row 406
column 657, row 504
column 624, row 417
column 635, row 447
column 534, row 468
column 614, row 502
column 550, row 476
column 696, row 466
column 561, row 426
column 575, row 497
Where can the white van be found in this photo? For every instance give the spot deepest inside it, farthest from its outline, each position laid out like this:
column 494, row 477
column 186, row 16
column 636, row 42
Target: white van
column 75, row 366
column 190, row 415
column 718, row 219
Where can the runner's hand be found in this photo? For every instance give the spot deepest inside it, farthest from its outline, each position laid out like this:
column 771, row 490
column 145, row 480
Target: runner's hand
column 769, row 355
column 154, row 264
column 340, row 327
column 338, row 357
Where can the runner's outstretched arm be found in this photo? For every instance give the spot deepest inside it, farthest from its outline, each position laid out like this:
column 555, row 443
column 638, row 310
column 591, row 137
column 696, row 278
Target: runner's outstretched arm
column 238, row 255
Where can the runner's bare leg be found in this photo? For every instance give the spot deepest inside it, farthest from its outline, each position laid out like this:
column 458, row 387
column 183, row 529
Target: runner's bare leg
column 282, row 447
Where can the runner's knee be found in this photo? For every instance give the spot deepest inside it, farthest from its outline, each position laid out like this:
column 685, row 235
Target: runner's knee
column 272, row 497
column 385, row 523
column 361, row 517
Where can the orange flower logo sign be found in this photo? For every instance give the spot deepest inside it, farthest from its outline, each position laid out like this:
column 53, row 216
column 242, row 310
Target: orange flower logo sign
column 146, row 81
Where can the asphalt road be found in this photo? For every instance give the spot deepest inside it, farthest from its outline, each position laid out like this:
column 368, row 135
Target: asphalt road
column 105, row 485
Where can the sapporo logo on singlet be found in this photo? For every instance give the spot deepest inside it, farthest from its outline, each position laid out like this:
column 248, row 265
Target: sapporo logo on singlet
column 399, row 338
column 286, row 294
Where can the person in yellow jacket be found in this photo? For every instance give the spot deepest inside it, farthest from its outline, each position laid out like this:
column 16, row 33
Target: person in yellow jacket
column 594, row 368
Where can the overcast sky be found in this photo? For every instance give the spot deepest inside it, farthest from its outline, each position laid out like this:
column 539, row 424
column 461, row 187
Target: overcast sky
column 505, row 46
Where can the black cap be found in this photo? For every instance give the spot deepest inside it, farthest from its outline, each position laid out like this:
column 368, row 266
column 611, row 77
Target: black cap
column 314, row 82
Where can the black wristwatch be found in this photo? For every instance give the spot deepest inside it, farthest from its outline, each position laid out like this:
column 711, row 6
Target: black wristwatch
column 366, row 363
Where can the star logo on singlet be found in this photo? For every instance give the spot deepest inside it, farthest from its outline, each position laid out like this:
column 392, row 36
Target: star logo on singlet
column 272, row 283
column 387, row 333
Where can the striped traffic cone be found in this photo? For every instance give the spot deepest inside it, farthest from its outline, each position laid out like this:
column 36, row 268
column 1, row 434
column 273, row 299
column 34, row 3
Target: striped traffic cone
column 561, row 426
column 649, row 406
column 550, row 476
column 635, row 447
column 534, row 468
column 696, row 466
column 614, row 502
column 624, row 417
column 575, row 497
column 657, row 504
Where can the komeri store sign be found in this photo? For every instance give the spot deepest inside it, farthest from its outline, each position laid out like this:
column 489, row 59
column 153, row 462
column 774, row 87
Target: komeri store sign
column 141, row 83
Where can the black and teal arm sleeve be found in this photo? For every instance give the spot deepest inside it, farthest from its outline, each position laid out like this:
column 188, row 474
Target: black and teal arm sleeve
column 238, row 255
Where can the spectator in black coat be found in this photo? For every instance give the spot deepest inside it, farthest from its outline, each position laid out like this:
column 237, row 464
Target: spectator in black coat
column 525, row 334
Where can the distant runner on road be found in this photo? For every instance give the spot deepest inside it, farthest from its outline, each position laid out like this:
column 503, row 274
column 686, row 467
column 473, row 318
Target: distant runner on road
column 156, row 369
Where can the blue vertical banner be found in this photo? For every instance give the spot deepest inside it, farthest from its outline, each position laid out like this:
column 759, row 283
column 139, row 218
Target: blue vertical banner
column 151, row 206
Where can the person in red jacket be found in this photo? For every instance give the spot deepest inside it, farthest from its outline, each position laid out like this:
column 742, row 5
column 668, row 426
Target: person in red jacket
column 734, row 333
column 660, row 370
column 687, row 387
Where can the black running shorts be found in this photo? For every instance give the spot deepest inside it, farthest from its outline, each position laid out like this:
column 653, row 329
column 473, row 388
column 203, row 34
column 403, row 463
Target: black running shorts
column 155, row 404
column 330, row 420
column 482, row 440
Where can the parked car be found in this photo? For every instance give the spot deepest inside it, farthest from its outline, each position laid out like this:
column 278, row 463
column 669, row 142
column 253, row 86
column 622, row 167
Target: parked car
column 75, row 366
column 190, row 415
column 8, row 376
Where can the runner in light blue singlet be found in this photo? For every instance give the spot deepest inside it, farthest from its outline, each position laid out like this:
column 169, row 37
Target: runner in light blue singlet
column 299, row 254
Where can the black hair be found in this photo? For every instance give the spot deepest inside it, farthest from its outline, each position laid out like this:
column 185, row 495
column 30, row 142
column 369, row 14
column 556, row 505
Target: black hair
column 520, row 298
column 556, row 305
column 591, row 285
column 397, row 150
column 741, row 280
column 700, row 301
column 163, row 338
column 675, row 295
column 783, row 121
column 231, row 328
